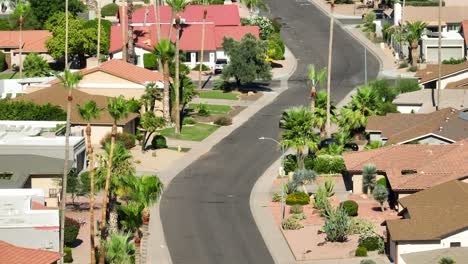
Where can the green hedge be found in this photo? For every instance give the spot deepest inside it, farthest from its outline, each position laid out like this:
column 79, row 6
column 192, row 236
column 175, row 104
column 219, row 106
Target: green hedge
column 72, row 228
column 424, row 3
column 127, row 140
column 68, row 258
column 158, row 142
column 3, row 64
column 109, row 10
column 299, row 198
column 329, row 164
column 23, row 110
column 150, row 61
column 361, row 252
column 371, row 243
column 290, row 163
column 204, row 67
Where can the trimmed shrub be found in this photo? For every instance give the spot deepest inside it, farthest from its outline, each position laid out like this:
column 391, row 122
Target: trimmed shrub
column 203, row 67
column 337, row 225
column 361, row 252
column 351, row 207
column 274, row 50
column 202, row 109
column 367, row 261
column 292, row 224
column 300, row 216
column 22, row 110
column 361, row 226
column 158, row 142
column 382, row 181
column 371, row 242
column 150, row 61
column 424, row 3
column 309, row 162
column 223, row 121
column 3, row 64
column 68, row 258
column 299, row 198
column 188, row 121
column 296, row 209
column 109, row 10
column 403, row 65
column 407, row 85
column 72, row 228
column 453, row 61
column 127, row 140
column 276, row 197
column 413, row 68
column 329, row 164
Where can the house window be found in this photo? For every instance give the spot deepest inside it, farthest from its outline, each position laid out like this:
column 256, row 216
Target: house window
column 53, row 193
column 453, row 27
column 455, row 244
column 5, row 175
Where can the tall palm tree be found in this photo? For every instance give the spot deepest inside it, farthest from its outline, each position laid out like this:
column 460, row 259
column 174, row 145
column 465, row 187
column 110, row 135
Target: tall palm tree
column 88, row 112
column 124, row 29
column 98, row 51
column 202, row 45
column 165, row 52
column 120, row 249
column 69, row 81
column 414, row 32
column 118, row 109
column 298, row 132
column 21, row 8
column 178, row 6
column 330, row 49
column 439, row 56
column 252, row 5
column 158, row 19
column 366, row 101
column 352, row 120
column 131, row 56
column 66, row 39
column 315, row 78
column 320, row 113
column 146, row 3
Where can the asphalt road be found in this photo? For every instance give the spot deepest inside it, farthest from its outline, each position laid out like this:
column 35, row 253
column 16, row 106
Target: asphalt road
column 205, row 210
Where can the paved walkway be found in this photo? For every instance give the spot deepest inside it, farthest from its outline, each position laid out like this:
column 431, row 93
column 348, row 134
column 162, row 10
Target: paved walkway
column 222, row 102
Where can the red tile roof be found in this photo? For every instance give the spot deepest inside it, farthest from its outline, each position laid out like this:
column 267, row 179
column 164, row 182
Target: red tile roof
column 465, row 31
column 33, row 40
column 219, row 15
column 190, row 37
column 434, row 164
column 18, row 255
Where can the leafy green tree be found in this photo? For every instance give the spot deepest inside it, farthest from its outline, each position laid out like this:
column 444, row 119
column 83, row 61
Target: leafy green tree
column 30, row 21
column 4, row 24
column 110, row 9
column 337, row 225
column 105, row 33
column 247, row 60
column 150, row 123
column 380, row 194
column 352, row 120
column 119, row 249
column 299, row 133
column 369, row 173
column 35, row 66
column 414, row 32
column 43, row 9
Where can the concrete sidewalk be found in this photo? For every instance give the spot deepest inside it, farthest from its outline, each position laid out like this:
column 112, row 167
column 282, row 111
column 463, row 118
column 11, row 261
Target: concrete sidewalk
column 198, row 100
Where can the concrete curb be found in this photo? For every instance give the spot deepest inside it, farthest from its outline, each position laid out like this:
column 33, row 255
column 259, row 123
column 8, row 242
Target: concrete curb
column 159, row 252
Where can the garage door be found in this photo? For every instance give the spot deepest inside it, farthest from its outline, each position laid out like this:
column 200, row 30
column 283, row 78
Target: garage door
column 447, row 53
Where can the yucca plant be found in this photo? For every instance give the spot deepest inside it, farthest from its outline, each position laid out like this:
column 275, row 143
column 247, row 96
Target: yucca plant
column 120, row 249
column 369, row 174
column 329, row 186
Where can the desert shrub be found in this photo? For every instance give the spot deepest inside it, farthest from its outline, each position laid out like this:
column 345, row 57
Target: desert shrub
column 371, row 242
column 373, row 145
column 329, row 164
column 367, row 261
column 361, row 252
column 202, row 109
column 343, row 1
column 446, row 260
column 292, row 224
column 220, row 84
column 203, row 67
column 299, row 198
column 276, row 197
column 274, row 50
column 109, row 10
column 290, row 163
column 337, row 225
column 425, row 3
column 309, row 161
column 321, row 201
column 127, row 140
column 150, row 61
column 413, row 68
column 382, row 181
column 300, row 216
column 403, row 65
column 223, row 121
column 296, row 209
column 3, row 64
column 189, row 121
column 68, row 258
column 361, row 226
column 72, row 228
column 159, row 142
column 407, row 85
column 453, row 61
column 329, row 186
column 290, row 187
column 380, row 194
column 351, row 207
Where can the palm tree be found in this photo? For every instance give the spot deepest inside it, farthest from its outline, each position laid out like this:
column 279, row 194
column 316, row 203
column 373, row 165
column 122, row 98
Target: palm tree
column 177, row 6
column 98, row 51
column 66, row 43
column 124, row 39
column 330, row 49
column 118, row 109
column 165, row 52
column 120, row 249
column 414, row 32
column 255, row 4
column 315, row 79
column 202, row 45
column 320, row 113
column 131, row 56
column 87, row 112
column 366, row 101
column 69, row 81
column 369, row 173
column 352, row 120
column 21, row 9
column 299, row 134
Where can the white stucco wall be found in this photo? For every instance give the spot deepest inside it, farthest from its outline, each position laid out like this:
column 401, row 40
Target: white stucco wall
column 404, row 248
column 454, row 78
column 139, row 53
column 407, row 109
column 97, row 132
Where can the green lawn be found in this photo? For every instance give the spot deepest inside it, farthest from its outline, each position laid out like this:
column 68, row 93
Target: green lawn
column 8, row 75
column 197, row 132
column 217, row 94
column 213, row 109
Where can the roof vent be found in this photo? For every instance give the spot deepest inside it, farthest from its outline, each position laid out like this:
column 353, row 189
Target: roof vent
column 463, row 114
column 441, row 128
column 447, row 119
column 407, row 172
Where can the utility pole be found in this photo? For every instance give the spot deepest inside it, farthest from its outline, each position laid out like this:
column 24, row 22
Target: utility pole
column 330, row 47
column 365, row 65
column 439, row 55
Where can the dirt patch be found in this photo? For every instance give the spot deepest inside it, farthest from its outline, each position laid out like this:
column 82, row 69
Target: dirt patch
column 209, row 119
column 253, row 97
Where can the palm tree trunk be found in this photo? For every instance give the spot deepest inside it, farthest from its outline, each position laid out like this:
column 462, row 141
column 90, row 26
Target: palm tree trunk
column 130, row 41
column 21, row 47
column 202, row 48
column 313, row 96
column 124, row 40
column 158, row 28
column 146, row 15
column 176, row 86
column 102, row 255
column 98, row 51
column 414, row 54
column 170, row 28
column 63, row 198
column 91, row 199
column 330, row 49
column 382, row 207
column 166, row 94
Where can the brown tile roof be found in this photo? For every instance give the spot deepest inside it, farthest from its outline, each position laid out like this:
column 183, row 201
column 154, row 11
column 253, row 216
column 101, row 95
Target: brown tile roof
column 434, row 164
column 434, row 213
column 449, row 14
column 57, row 95
column 431, row 73
column 33, row 40
column 461, row 84
column 399, row 128
column 18, row 255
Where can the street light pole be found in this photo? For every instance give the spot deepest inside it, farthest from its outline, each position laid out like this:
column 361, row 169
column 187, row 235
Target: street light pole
column 282, row 176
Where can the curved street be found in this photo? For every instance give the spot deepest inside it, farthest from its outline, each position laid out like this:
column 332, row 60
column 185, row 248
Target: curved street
column 205, row 210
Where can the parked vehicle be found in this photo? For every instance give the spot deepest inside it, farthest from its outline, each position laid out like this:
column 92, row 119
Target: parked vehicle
column 219, row 65
column 331, row 141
